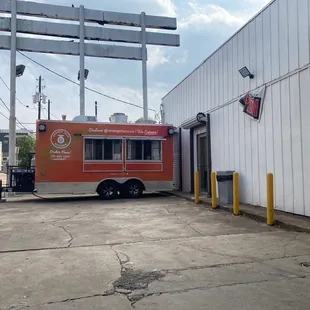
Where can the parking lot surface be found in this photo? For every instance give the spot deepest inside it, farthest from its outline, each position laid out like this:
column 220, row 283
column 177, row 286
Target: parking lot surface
column 155, row 253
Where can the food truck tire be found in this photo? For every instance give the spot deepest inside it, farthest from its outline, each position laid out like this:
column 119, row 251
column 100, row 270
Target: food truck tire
column 133, row 189
column 108, row 190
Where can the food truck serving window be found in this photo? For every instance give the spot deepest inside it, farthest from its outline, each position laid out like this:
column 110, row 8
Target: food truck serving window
column 102, row 149
column 143, row 150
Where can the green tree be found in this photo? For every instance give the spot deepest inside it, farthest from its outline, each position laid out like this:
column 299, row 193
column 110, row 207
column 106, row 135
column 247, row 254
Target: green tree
column 26, row 146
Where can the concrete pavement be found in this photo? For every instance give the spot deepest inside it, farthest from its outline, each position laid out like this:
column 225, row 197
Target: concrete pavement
column 153, row 253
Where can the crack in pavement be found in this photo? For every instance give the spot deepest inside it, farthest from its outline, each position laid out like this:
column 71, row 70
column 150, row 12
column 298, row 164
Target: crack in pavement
column 67, row 232
column 127, row 243
column 62, row 219
column 288, row 243
column 134, row 296
column 183, row 221
column 207, row 287
column 122, row 269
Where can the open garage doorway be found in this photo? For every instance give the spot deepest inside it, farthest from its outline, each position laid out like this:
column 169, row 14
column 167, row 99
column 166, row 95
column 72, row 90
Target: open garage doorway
column 202, row 162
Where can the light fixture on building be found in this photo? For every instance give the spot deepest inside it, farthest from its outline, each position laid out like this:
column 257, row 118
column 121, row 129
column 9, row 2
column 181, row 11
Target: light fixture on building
column 201, row 117
column 20, row 69
column 245, row 72
column 42, row 128
column 86, row 72
column 171, row 131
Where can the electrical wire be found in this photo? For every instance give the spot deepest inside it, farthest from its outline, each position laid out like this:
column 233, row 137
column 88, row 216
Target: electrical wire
column 4, row 116
column 43, row 111
column 52, row 114
column 26, row 106
column 4, row 104
column 20, row 125
column 90, row 89
column 6, row 85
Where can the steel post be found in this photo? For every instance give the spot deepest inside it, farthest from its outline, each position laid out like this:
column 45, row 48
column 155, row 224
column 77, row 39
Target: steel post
column 82, row 60
column 12, row 119
column 144, row 67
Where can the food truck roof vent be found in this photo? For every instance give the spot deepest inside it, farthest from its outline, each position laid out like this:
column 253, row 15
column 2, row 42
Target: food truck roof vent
column 119, row 118
column 85, row 118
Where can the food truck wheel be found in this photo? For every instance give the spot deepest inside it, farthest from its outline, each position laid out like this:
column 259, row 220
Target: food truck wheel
column 133, row 189
column 107, row 190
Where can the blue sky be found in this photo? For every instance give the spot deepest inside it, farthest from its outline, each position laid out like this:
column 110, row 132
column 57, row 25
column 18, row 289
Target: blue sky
column 202, row 24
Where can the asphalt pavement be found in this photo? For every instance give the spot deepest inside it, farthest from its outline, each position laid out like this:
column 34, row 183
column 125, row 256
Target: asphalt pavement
column 154, row 253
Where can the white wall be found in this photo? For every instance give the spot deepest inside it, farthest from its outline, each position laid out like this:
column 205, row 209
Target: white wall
column 275, row 47
column 1, row 162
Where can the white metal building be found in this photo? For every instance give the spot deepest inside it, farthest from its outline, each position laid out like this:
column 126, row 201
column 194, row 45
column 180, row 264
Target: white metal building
column 1, row 156
column 274, row 46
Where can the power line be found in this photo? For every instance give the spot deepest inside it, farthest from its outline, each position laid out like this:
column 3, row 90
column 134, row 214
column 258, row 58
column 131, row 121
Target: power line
column 4, row 116
column 6, row 85
column 90, row 89
column 52, row 114
column 20, row 125
column 4, row 104
column 26, row 106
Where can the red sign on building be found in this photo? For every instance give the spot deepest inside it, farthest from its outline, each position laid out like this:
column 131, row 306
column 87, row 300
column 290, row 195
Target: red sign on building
column 252, row 103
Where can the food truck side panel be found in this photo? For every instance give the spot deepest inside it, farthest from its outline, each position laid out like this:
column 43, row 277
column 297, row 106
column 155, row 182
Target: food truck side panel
column 62, row 165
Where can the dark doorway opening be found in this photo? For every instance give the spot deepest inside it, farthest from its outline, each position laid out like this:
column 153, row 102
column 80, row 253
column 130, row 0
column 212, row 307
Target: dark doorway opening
column 202, row 162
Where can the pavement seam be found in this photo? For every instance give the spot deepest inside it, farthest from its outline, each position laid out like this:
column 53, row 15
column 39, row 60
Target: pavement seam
column 122, row 243
column 207, row 287
column 185, row 222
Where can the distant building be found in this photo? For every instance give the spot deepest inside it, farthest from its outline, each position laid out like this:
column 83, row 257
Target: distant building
column 4, row 144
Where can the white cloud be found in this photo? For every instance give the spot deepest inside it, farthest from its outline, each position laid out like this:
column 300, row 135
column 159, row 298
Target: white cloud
column 183, row 58
column 258, row 2
column 156, row 57
column 203, row 15
column 167, row 6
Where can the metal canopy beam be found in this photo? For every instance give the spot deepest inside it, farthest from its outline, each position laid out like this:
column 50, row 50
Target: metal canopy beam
column 72, row 48
column 91, row 33
column 68, row 13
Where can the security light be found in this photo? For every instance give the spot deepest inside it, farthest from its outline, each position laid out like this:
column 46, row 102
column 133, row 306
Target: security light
column 86, row 71
column 201, row 117
column 245, row 72
column 170, row 131
column 20, row 70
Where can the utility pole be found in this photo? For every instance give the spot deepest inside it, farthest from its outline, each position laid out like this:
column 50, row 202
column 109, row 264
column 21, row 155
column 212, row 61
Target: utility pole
column 96, row 109
column 144, row 67
column 40, row 94
column 49, row 109
column 82, row 60
column 12, row 121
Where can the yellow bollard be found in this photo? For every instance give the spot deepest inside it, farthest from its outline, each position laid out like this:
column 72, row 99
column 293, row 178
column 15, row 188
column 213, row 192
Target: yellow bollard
column 236, row 193
column 270, row 199
column 213, row 190
column 196, row 187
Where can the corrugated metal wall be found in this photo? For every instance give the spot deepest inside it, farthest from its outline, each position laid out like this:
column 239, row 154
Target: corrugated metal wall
column 275, row 47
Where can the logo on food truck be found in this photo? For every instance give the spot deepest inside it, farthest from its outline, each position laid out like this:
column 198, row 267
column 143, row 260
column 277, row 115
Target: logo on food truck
column 61, row 139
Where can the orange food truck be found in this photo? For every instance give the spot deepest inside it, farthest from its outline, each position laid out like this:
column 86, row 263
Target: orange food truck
column 110, row 159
